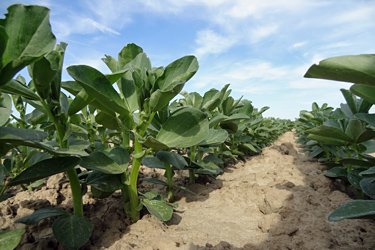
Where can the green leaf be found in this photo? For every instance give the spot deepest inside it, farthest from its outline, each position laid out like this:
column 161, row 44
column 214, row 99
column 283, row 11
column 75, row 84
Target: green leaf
column 214, row 136
column 102, row 162
column 329, row 135
column 73, row 231
column 107, row 183
column 20, row 135
column 151, row 142
column 97, row 86
column 29, row 37
column 153, row 162
column 350, row 100
column 336, row 172
column 354, row 129
column 127, row 54
column 81, row 100
column 107, row 121
column 159, row 209
column 211, row 100
column 172, row 158
column 367, row 92
column 356, row 209
column 354, row 178
column 171, row 82
column 357, row 162
column 127, row 86
column 353, row 68
column 10, row 239
column 217, row 119
column 368, row 186
column 209, row 168
column 100, row 194
column 15, row 87
column 44, row 169
column 368, row 118
column 43, row 72
column 184, row 128
column 5, row 108
column 370, row 171
column 41, row 214
column 212, row 158
column 120, row 156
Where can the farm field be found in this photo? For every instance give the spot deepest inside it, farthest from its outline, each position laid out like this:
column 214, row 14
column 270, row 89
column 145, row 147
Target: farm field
column 130, row 160
column 278, row 199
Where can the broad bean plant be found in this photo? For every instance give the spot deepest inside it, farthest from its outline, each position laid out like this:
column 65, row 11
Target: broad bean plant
column 342, row 138
column 99, row 135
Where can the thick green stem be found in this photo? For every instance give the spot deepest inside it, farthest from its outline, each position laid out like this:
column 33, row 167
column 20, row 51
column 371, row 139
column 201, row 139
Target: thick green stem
column 191, row 171
column 133, row 192
column 169, row 175
column 75, row 186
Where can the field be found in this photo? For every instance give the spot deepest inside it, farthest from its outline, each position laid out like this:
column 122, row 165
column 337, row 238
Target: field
column 129, row 160
column 278, row 199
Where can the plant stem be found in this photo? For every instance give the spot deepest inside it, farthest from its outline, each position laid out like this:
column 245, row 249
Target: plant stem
column 133, row 192
column 191, row 171
column 138, row 147
column 75, row 186
column 169, row 174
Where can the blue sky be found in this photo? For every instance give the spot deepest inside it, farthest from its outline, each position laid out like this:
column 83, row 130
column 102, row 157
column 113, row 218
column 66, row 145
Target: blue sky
column 261, row 47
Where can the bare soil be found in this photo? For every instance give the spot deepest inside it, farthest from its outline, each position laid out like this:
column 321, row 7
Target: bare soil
column 276, row 200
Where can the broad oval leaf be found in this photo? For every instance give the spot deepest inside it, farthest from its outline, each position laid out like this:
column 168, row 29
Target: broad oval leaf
column 353, row 68
column 159, row 209
column 214, row 136
column 355, row 209
column 367, row 92
column 5, row 108
column 10, row 239
column 73, row 231
column 184, row 128
column 29, row 38
column 41, row 214
column 15, row 87
column 368, row 186
column 98, row 86
column 153, row 162
column 20, row 135
column 329, row 135
column 172, row 158
column 107, row 183
column 101, row 162
column 44, row 169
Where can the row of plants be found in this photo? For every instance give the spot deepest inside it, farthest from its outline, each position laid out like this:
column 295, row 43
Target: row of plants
column 343, row 138
column 99, row 135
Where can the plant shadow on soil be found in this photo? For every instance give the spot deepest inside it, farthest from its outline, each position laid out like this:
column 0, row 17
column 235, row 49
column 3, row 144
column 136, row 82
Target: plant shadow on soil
column 296, row 203
column 276, row 200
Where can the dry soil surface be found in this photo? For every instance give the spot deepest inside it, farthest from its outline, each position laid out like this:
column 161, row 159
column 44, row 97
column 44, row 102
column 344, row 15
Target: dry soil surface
column 276, row 200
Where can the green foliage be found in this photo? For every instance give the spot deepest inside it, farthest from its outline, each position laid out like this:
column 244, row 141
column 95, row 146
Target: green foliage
column 10, row 239
column 104, row 130
column 343, row 138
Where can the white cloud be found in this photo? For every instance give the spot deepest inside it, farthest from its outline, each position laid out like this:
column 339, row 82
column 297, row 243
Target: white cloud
column 257, row 71
column 318, row 84
column 298, row 45
column 87, row 22
column 210, row 42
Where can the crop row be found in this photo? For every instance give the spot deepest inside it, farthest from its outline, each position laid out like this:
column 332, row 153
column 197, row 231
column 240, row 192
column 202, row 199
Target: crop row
column 99, row 135
column 343, row 138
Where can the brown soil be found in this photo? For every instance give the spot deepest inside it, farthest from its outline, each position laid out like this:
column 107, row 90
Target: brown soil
column 276, row 200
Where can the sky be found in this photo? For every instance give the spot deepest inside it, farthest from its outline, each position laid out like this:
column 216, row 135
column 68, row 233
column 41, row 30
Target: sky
column 262, row 48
